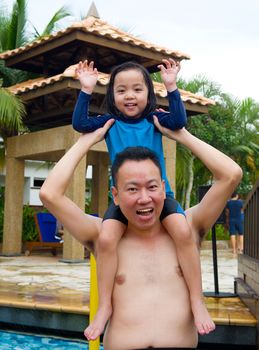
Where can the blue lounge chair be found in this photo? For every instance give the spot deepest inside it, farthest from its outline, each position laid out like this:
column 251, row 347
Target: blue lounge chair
column 46, row 225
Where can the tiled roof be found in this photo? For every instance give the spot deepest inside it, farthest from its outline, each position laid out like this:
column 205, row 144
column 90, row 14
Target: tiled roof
column 103, row 79
column 100, row 28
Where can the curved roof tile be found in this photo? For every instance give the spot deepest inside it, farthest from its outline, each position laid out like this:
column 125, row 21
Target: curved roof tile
column 103, row 79
column 99, row 28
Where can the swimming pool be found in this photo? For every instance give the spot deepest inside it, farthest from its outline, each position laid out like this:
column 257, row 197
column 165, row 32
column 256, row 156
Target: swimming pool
column 20, row 341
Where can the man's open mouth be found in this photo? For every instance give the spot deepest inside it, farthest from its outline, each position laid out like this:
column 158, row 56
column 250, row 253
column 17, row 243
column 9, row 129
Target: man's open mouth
column 145, row 212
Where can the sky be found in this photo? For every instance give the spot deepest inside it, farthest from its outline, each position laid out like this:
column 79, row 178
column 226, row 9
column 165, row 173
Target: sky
column 222, row 37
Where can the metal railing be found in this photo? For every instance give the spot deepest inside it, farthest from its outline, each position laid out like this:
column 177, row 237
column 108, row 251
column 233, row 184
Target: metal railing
column 251, row 223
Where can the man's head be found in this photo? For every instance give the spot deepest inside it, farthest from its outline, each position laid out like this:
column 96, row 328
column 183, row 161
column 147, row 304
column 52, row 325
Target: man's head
column 137, row 154
column 234, row 195
column 138, row 186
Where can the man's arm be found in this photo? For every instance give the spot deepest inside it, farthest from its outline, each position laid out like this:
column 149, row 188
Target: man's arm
column 227, row 174
column 84, row 228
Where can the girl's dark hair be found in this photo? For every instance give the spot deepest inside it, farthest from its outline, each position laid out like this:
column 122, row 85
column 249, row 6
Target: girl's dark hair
column 151, row 99
column 137, row 154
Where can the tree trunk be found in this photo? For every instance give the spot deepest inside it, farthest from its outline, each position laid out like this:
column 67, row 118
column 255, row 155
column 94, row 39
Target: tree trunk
column 190, row 183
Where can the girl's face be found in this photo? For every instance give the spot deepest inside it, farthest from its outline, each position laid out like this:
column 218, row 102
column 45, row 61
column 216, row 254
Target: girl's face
column 130, row 93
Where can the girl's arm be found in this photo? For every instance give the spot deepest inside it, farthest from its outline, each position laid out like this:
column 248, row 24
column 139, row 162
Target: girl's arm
column 226, row 173
column 176, row 118
column 84, row 228
column 81, row 121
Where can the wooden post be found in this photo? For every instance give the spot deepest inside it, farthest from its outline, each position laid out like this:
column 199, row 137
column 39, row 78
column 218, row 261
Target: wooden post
column 13, row 209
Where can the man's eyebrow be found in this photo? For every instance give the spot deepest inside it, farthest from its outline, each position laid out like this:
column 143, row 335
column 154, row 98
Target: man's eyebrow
column 135, row 183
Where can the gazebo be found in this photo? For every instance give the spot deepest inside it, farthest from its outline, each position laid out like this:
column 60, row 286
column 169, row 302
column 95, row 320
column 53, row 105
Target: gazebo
column 50, row 101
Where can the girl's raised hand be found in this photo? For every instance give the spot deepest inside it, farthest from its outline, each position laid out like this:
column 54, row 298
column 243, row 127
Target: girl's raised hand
column 87, row 75
column 169, row 71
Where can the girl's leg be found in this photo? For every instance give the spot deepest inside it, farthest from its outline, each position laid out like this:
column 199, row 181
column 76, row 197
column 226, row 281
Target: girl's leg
column 106, row 260
column 189, row 259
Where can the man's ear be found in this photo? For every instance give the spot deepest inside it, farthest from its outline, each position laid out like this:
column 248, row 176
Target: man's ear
column 163, row 187
column 115, row 195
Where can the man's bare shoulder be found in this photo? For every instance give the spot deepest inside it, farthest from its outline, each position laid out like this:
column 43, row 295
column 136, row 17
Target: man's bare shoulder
column 85, row 228
column 197, row 228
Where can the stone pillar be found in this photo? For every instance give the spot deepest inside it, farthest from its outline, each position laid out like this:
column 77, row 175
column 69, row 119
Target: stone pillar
column 13, row 209
column 170, row 161
column 100, row 185
column 73, row 251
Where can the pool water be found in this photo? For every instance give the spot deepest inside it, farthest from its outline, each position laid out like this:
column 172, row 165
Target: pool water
column 21, row 341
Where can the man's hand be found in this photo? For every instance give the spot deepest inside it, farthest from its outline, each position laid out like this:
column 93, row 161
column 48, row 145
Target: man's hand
column 96, row 136
column 169, row 71
column 174, row 135
column 87, row 75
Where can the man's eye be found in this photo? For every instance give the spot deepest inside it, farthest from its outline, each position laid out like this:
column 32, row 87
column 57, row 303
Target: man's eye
column 132, row 189
column 153, row 187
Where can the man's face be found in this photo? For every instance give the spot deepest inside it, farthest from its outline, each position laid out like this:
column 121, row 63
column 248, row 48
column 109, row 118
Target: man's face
column 140, row 193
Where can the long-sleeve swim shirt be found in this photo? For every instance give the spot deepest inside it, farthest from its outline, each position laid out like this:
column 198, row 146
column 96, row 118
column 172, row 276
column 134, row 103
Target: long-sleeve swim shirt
column 128, row 132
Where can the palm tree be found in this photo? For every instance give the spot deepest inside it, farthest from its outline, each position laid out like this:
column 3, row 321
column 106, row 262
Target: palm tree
column 247, row 150
column 202, row 86
column 185, row 160
column 13, row 34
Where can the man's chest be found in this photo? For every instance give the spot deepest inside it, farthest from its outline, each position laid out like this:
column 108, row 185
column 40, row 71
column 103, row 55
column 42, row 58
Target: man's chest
column 151, row 263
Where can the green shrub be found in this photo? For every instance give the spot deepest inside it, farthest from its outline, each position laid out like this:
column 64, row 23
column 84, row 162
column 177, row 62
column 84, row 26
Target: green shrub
column 29, row 231
column 221, row 234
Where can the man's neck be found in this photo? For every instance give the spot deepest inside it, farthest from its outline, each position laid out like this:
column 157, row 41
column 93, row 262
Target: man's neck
column 155, row 230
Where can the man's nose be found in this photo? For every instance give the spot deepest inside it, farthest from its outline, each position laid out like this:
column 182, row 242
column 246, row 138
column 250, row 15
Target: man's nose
column 144, row 197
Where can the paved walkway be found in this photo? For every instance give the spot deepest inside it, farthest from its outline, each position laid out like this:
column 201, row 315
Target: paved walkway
column 227, row 270
column 42, row 282
column 48, row 272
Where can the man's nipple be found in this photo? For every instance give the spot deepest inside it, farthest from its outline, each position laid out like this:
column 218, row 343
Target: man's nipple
column 120, row 278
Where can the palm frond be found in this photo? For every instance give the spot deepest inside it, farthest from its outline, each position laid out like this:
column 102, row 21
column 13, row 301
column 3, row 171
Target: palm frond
column 12, row 112
column 53, row 23
column 21, row 38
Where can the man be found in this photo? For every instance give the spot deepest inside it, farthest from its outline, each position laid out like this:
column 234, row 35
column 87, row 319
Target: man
column 235, row 222
column 151, row 306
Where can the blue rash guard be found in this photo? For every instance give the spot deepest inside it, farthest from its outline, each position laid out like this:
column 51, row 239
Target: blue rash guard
column 128, row 132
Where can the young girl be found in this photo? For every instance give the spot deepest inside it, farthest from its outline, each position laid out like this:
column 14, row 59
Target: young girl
column 131, row 102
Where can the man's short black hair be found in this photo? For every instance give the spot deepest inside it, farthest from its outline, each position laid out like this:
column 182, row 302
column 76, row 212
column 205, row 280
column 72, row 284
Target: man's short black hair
column 138, row 154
